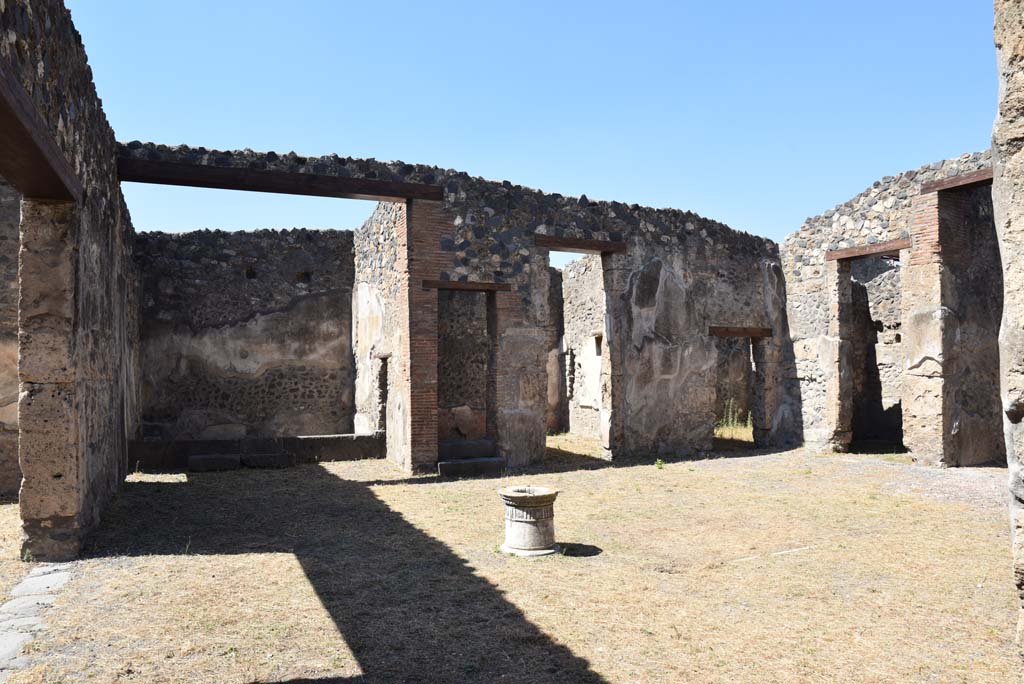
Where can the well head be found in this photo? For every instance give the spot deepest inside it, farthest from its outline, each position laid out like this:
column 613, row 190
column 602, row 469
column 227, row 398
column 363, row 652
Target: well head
column 527, row 495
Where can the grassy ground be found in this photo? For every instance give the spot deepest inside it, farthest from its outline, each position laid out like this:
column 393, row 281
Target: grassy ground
column 787, row 567
column 12, row 570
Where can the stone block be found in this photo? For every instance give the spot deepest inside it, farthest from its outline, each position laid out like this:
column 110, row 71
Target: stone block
column 472, row 467
column 204, row 463
column 41, row 584
column 278, row 459
column 47, row 345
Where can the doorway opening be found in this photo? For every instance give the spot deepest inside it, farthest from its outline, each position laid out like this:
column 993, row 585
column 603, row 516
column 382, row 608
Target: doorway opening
column 734, row 393
column 578, row 359
column 466, row 380
column 876, row 354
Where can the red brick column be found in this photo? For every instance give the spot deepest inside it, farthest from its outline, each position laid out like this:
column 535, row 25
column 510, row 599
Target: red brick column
column 923, row 329
column 425, row 225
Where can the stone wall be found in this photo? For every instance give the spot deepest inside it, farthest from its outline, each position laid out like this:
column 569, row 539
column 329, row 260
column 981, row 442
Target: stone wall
column 380, row 328
column 78, row 325
column 246, row 334
column 681, row 274
column 558, row 398
column 972, row 288
column 881, row 213
column 1007, row 191
column 876, row 350
column 584, row 325
column 463, row 349
column 10, row 216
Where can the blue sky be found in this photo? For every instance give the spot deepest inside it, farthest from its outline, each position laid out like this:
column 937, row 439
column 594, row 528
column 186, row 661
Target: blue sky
column 754, row 113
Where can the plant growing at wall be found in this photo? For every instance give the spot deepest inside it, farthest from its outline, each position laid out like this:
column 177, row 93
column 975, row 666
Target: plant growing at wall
column 735, row 424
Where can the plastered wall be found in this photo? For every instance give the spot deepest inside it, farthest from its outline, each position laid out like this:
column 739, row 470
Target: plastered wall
column 246, row 334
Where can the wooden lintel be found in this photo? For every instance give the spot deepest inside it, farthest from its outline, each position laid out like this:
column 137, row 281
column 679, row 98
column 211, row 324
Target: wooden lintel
column 30, row 159
column 469, row 286
column 890, row 248
column 262, row 180
column 732, row 331
column 961, row 181
column 579, row 245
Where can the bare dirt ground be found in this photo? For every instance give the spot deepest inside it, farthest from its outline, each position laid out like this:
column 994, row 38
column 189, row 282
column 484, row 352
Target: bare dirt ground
column 787, row 567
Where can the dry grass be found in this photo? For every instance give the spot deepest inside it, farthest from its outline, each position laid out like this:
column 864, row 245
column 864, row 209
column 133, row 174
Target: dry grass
column 735, row 433
column 768, row 568
column 12, row 570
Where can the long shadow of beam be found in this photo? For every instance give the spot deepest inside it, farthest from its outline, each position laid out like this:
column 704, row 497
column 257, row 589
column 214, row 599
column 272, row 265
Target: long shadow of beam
column 408, row 607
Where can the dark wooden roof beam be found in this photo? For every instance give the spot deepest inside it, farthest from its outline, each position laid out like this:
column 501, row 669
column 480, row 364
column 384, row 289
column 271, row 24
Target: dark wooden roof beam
column 890, row 248
column 964, row 180
column 283, row 182
column 468, row 286
column 30, row 159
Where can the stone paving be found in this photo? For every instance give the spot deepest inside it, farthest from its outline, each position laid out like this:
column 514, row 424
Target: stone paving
column 20, row 617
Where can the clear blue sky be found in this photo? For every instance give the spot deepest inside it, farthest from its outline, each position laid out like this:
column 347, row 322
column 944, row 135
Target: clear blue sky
column 754, row 113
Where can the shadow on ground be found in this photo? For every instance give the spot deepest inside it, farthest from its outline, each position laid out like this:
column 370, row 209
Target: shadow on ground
column 408, row 607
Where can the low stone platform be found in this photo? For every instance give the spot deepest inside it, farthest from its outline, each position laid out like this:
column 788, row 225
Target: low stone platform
column 278, row 452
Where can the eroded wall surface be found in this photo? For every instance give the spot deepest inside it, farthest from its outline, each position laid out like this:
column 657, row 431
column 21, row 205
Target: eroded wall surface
column 558, row 400
column 10, row 216
column 78, row 324
column 669, row 298
column 824, row 366
column 972, row 288
column 682, row 273
column 584, row 324
column 380, row 329
column 1008, row 201
column 462, row 355
column 246, row 334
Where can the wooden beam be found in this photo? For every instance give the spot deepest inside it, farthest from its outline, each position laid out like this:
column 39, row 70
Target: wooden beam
column 261, row 180
column 890, row 248
column 469, row 286
column 30, row 159
column 962, row 181
column 730, row 331
column 579, row 245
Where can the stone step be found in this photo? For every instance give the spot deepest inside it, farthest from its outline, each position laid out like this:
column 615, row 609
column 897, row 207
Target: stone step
column 458, row 449
column 276, row 459
column 471, row 467
column 205, row 463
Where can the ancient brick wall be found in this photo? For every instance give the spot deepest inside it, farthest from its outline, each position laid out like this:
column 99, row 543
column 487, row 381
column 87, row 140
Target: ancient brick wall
column 78, row 324
column 10, row 215
column 881, row 213
column 246, row 334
